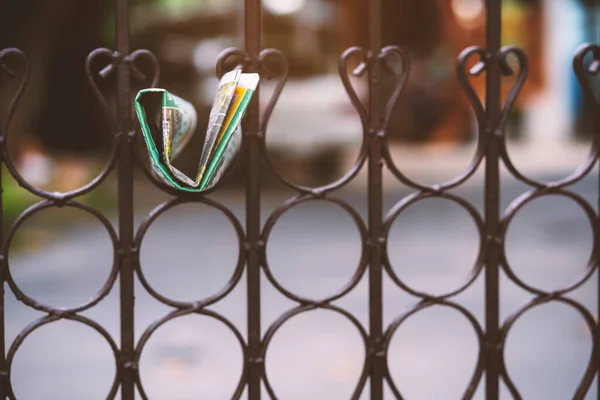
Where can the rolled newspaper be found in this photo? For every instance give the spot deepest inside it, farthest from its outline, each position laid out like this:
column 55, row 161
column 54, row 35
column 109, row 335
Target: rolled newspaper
column 168, row 122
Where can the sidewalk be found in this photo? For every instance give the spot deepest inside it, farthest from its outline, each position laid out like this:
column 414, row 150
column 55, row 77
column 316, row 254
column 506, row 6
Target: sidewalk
column 312, row 251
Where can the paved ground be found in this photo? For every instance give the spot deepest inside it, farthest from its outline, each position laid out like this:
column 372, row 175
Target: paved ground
column 313, row 251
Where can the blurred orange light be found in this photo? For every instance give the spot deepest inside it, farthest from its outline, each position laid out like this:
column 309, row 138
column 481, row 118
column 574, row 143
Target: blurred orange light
column 467, row 10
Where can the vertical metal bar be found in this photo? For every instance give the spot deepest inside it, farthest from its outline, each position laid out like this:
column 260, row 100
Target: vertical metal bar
column 3, row 266
column 252, row 36
column 125, row 188
column 375, row 202
column 593, row 36
column 596, row 131
column 492, row 197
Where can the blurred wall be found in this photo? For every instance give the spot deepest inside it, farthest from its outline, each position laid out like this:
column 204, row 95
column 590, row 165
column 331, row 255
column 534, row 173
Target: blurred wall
column 57, row 109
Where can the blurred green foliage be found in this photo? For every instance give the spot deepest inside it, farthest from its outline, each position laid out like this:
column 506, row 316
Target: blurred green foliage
column 15, row 200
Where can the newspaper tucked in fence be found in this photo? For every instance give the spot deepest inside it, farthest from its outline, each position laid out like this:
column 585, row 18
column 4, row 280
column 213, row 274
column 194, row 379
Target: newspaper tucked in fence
column 168, row 122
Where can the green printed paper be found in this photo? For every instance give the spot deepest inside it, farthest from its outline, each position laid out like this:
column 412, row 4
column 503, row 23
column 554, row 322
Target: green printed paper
column 168, row 122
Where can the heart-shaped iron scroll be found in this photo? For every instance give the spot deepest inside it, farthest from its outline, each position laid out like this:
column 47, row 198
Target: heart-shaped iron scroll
column 506, row 70
column 582, row 74
column 358, row 71
column 479, row 110
column 463, row 79
column 21, row 71
column 113, row 58
column 153, row 76
column 15, row 65
column 386, row 56
column 8, row 58
column 235, row 58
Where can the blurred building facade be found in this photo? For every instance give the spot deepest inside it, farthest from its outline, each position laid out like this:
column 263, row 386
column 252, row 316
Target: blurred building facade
column 433, row 107
column 187, row 37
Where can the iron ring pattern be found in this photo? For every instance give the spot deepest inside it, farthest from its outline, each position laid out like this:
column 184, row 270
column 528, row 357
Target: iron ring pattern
column 239, row 267
column 14, row 65
column 423, row 305
column 440, row 191
column 412, row 199
column 374, row 63
column 197, row 309
column 540, row 189
column 304, row 308
column 27, row 300
column 39, row 323
column 488, row 133
column 358, row 271
column 261, row 63
column 182, row 308
column 592, row 366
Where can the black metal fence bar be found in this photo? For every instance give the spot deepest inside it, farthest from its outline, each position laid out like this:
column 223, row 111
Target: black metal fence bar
column 387, row 69
column 254, row 243
column 126, row 365
column 375, row 204
column 3, row 267
column 493, row 134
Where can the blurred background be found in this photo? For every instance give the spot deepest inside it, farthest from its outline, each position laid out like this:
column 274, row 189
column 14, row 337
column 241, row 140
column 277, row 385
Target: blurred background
column 60, row 139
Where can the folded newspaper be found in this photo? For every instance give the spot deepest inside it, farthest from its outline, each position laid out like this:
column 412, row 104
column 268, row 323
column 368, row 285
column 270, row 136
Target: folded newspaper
column 168, row 122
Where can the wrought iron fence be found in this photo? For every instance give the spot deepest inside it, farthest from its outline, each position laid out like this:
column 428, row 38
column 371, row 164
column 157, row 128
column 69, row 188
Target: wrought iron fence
column 374, row 155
